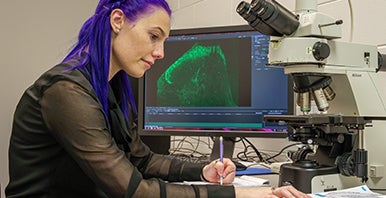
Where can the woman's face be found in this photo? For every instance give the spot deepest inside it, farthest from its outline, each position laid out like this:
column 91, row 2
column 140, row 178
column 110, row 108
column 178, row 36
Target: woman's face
column 137, row 45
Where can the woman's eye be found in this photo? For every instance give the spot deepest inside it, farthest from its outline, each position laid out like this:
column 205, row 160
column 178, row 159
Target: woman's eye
column 154, row 36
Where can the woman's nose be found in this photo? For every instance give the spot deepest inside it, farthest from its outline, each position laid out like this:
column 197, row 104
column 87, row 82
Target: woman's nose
column 159, row 53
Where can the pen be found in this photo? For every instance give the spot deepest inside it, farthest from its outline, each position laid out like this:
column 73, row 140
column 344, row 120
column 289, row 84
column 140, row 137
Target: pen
column 221, row 156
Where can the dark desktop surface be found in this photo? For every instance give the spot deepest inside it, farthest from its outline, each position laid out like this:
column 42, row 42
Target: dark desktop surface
column 240, row 166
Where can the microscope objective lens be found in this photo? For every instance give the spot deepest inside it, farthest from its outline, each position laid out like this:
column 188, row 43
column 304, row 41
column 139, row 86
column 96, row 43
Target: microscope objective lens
column 320, row 100
column 304, row 102
column 329, row 93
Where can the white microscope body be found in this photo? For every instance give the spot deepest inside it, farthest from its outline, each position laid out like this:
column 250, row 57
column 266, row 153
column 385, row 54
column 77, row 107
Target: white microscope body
column 354, row 78
column 341, row 78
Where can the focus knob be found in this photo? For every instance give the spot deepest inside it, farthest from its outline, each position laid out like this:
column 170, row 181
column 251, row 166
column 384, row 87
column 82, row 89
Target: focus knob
column 320, row 51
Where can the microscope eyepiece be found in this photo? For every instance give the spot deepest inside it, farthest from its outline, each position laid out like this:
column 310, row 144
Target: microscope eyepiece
column 271, row 18
column 244, row 10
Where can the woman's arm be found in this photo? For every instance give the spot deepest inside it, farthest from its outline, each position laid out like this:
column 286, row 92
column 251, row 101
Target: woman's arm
column 77, row 122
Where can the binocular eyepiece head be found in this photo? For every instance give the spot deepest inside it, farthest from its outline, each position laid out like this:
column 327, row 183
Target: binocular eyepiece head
column 268, row 17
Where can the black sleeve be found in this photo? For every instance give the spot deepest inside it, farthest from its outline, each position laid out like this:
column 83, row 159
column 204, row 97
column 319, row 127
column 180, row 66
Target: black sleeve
column 78, row 123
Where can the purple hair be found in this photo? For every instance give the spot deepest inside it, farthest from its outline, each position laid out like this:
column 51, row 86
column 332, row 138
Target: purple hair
column 93, row 49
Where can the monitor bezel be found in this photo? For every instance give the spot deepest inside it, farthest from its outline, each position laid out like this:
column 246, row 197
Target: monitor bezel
column 216, row 132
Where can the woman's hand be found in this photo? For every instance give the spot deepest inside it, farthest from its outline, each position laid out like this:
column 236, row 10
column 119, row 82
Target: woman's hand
column 227, row 169
column 268, row 192
column 215, row 169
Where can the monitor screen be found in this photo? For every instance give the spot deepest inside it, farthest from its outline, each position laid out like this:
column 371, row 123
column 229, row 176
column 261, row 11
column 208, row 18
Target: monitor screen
column 214, row 81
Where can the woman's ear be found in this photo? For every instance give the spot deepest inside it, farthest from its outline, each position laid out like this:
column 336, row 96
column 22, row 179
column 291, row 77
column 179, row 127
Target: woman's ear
column 117, row 19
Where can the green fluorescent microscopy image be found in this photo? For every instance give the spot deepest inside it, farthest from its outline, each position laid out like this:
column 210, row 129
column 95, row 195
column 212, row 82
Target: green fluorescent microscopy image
column 199, row 77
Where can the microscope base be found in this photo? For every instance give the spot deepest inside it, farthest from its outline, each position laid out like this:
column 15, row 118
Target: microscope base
column 324, row 183
column 315, row 179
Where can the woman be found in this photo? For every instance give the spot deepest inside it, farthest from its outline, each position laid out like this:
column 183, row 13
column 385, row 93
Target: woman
column 74, row 132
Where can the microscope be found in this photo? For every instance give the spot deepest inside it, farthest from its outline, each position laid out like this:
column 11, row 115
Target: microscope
column 341, row 117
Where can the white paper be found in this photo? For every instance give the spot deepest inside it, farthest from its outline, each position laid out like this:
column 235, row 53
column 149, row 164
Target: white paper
column 356, row 192
column 255, row 180
column 243, row 181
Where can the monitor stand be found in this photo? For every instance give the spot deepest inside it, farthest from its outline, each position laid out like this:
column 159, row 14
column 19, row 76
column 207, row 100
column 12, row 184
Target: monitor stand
column 158, row 144
column 229, row 146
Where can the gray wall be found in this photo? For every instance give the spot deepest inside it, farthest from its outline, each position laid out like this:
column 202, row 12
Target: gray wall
column 369, row 25
column 35, row 35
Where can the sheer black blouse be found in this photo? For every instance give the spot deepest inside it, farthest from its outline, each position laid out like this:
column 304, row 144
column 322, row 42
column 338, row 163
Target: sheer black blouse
column 63, row 145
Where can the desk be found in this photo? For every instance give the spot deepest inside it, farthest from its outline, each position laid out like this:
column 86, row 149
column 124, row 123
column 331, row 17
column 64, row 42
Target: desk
column 274, row 181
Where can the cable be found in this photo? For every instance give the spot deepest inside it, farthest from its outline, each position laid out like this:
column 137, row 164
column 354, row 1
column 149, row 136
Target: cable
column 180, row 149
column 180, row 143
column 282, row 150
column 244, row 155
column 256, row 151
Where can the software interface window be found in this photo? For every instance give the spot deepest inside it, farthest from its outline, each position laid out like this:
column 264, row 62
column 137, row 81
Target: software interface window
column 214, row 81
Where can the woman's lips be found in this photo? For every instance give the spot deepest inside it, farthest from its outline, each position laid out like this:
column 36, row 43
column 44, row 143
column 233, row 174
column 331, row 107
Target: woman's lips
column 148, row 64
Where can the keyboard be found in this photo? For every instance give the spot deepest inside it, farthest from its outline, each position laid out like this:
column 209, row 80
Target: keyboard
column 192, row 159
column 205, row 160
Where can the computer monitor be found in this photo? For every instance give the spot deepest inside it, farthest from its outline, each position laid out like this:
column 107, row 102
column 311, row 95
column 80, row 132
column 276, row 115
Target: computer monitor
column 214, row 81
